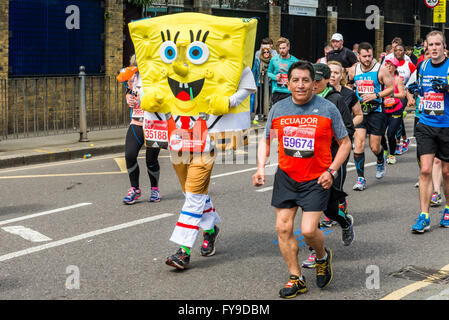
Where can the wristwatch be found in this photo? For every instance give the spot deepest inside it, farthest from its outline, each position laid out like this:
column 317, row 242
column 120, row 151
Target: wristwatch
column 377, row 95
column 333, row 173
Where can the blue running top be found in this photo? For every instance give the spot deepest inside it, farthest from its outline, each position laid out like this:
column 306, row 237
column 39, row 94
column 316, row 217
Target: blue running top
column 433, row 106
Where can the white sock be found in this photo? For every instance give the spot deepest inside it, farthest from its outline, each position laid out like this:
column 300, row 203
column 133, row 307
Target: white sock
column 323, row 258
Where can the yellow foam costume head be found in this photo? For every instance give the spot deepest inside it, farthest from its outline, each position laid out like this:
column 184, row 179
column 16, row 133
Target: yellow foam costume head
column 191, row 63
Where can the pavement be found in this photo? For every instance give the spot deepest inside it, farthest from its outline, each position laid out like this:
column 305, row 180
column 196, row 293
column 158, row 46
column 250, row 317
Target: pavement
column 34, row 150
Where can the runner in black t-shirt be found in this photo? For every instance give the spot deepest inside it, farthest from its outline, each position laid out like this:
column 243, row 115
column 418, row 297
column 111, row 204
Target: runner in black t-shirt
column 345, row 56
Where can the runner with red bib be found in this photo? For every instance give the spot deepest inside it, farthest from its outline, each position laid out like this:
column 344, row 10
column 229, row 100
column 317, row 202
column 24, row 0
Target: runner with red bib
column 304, row 126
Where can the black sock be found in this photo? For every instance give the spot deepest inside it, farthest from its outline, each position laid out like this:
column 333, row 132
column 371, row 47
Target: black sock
column 359, row 159
column 380, row 157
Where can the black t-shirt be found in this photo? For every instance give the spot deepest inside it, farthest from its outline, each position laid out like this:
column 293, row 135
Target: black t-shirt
column 346, row 57
column 336, row 98
column 350, row 98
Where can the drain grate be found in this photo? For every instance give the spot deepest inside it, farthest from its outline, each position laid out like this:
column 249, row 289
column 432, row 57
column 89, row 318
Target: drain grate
column 422, row 274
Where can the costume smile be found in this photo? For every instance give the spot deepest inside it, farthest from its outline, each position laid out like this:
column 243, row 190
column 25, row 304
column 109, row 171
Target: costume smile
column 185, row 91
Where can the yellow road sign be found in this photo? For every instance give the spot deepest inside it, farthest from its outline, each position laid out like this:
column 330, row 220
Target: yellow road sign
column 439, row 13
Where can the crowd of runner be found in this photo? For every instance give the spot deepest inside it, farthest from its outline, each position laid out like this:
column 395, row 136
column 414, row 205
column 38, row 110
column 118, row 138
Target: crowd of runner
column 371, row 95
column 320, row 112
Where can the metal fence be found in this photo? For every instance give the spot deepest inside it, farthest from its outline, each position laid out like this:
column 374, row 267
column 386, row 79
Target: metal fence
column 45, row 106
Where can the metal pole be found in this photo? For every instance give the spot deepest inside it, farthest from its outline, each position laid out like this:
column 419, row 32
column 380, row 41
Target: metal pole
column 83, row 118
column 266, row 93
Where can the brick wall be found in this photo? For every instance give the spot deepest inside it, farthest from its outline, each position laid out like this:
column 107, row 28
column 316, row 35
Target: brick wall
column 4, row 38
column 113, row 36
column 113, row 45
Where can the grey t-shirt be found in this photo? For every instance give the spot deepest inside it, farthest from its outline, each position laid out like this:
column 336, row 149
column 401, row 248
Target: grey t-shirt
column 316, row 106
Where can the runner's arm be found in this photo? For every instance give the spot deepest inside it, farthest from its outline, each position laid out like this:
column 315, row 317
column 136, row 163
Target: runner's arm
column 358, row 114
column 351, row 73
column 263, row 153
column 326, row 180
column 400, row 85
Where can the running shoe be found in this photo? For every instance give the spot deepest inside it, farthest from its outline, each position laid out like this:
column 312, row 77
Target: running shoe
column 256, row 119
column 360, row 185
column 422, row 224
column 381, row 169
column 327, row 223
column 391, row 159
column 310, row 262
column 155, row 195
column 436, row 199
column 180, row 260
column 293, row 287
column 347, row 235
column 133, row 195
column 324, row 272
column 405, row 144
column 445, row 219
column 209, row 241
column 398, row 150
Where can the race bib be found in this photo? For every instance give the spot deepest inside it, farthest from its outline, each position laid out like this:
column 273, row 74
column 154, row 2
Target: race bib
column 389, row 102
column 195, row 139
column 299, row 142
column 365, row 86
column 138, row 113
column 432, row 103
column 156, row 133
column 283, row 80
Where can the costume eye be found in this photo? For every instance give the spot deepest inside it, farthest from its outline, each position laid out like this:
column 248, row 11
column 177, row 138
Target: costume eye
column 168, row 52
column 198, row 52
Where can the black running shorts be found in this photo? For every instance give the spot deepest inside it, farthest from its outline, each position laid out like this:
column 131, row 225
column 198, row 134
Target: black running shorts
column 432, row 140
column 288, row 193
column 375, row 123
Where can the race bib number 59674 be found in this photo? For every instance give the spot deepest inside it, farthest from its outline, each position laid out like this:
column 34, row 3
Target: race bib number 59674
column 299, row 142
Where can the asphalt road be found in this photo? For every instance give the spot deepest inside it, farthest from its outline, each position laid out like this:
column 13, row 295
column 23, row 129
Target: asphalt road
column 65, row 234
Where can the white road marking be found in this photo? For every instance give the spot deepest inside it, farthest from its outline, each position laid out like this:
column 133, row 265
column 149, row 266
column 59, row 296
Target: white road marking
column 30, row 216
column 239, row 171
column 264, row 189
column 91, row 234
column 27, row 233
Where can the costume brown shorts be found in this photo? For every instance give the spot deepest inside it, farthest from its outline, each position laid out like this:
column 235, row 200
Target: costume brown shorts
column 194, row 170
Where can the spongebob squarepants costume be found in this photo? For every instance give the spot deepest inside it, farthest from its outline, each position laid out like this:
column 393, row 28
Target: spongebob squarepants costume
column 197, row 69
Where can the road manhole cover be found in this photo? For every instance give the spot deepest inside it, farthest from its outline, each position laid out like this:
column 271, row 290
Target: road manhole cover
column 422, row 274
